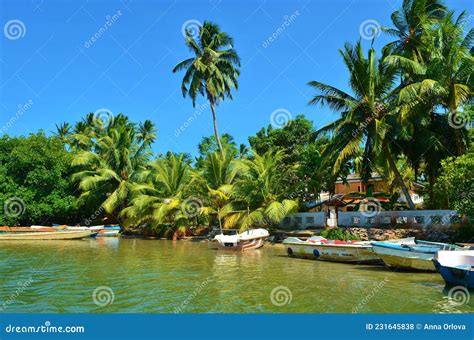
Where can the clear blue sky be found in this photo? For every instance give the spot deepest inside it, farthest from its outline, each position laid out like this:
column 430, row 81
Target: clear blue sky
column 51, row 61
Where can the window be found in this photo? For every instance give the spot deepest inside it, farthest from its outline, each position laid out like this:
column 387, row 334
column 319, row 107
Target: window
column 372, row 220
column 436, row 219
column 309, row 220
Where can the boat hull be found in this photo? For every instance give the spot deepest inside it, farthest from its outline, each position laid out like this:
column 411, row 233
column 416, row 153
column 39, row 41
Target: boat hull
column 108, row 233
column 362, row 254
column 55, row 235
column 456, row 267
column 243, row 245
column 405, row 259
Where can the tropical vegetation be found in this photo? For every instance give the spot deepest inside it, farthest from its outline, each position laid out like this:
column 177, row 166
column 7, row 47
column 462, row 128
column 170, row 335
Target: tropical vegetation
column 406, row 115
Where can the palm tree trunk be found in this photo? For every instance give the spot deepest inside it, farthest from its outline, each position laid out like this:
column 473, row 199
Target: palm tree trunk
column 216, row 132
column 460, row 150
column 399, row 178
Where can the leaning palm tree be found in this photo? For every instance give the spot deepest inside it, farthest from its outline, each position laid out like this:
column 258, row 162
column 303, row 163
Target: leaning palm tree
column 366, row 116
column 109, row 169
column 160, row 198
column 213, row 70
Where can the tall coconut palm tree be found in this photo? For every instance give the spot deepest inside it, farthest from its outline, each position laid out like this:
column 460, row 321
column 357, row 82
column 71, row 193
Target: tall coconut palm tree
column 213, row 70
column 408, row 22
column 445, row 79
column 159, row 197
column 366, row 116
column 258, row 197
column 111, row 166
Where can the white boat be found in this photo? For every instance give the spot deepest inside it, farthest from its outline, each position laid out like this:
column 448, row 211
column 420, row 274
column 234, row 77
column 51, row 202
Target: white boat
column 456, row 267
column 94, row 228
column 53, row 235
column 250, row 239
column 319, row 248
column 418, row 256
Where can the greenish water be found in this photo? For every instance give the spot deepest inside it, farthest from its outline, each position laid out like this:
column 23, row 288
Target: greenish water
column 151, row 276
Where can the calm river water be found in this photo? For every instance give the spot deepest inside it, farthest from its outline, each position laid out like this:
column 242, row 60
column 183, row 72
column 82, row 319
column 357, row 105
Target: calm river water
column 151, row 276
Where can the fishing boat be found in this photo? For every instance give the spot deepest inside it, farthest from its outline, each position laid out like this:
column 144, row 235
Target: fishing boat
column 248, row 240
column 48, row 235
column 320, row 248
column 417, row 256
column 32, row 229
column 93, row 229
column 456, row 267
column 109, row 231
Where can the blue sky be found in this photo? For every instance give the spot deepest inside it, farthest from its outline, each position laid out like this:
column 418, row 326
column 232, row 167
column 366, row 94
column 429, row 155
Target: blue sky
column 51, row 71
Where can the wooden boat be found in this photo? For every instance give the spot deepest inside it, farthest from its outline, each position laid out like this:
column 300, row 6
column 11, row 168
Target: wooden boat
column 52, row 235
column 248, row 240
column 93, row 229
column 416, row 256
column 319, row 248
column 456, row 267
column 36, row 229
column 108, row 233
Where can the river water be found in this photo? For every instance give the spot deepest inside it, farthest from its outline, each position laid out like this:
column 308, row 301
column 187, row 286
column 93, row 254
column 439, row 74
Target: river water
column 112, row 275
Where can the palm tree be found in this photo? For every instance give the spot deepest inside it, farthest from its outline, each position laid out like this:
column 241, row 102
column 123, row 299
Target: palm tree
column 408, row 22
column 212, row 71
column 215, row 180
column 111, row 166
column 444, row 79
column 63, row 132
column 159, row 198
column 257, row 198
column 366, row 116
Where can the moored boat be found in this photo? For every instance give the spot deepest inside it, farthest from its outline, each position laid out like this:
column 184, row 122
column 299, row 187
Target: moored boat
column 50, row 235
column 248, row 240
column 417, row 256
column 319, row 248
column 456, row 267
column 32, row 229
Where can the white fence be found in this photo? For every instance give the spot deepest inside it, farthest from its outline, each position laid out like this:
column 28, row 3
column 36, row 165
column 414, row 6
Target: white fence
column 374, row 219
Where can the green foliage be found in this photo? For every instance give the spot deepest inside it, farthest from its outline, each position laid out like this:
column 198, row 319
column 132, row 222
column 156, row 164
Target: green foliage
column 454, row 188
column 338, row 234
column 35, row 181
column 302, row 171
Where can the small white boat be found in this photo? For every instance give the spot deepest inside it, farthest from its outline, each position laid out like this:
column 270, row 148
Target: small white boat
column 456, row 267
column 319, row 248
column 94, row 228
column 250, row 239
column 418, row 256
column 47, row 235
